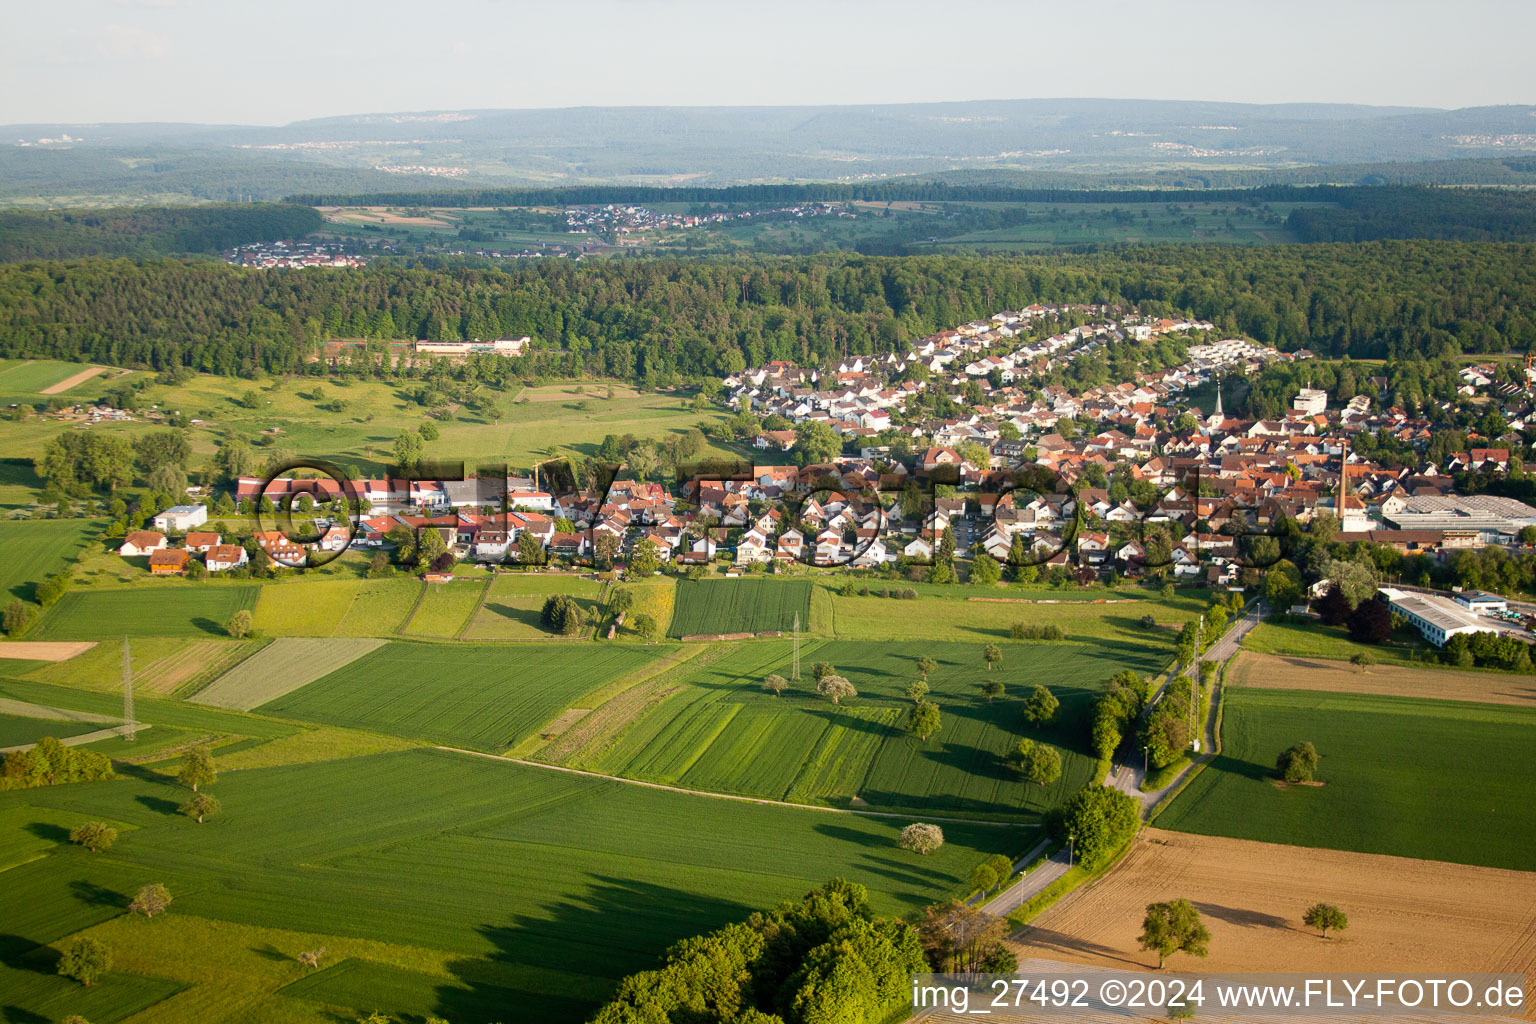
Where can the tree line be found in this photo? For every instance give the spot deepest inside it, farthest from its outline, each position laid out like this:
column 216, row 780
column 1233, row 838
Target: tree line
column 657, row 320
column 147, row 232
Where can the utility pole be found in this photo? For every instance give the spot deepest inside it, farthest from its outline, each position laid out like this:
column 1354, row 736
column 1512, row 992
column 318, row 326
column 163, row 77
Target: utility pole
column 128, row 721
column 795, row 670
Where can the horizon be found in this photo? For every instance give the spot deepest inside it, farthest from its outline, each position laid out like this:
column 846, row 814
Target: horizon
column 192, row 62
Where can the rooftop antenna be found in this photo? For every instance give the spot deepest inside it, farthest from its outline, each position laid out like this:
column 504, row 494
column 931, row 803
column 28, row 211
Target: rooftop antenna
column 130, row 726
column 795, row 669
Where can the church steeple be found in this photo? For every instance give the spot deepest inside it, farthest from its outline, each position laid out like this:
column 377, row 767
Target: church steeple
column 1218, row 413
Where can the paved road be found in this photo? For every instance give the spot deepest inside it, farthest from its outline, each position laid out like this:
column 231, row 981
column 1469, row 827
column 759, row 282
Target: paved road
column 1128, row 775
column 1026, row 888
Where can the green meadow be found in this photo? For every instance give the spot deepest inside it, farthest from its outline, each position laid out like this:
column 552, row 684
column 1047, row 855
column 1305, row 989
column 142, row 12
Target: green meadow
column 740, row 606
column 480, row 696
column 720, row 731
column 443, row 883
column 1441, row 780
column 159, row 608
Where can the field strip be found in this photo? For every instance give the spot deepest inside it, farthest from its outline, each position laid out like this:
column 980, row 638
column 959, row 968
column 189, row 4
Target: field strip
column 280, row 668
column 738, row 799
column 485, row 592
column 1284, row 672
column 26, row 709
column 622, row 701
column 69, row 382
column 43, row 650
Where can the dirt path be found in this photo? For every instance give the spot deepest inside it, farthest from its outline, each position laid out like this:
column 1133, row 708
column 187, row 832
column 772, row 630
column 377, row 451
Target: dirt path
column 69, row 382
column 735, row 797
column 27, row 709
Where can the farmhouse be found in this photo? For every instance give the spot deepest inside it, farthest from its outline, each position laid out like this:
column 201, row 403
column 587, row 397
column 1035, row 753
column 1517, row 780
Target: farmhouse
column 221, row 557
column 140, row 543
column 201, row 542
column 168, row 561
column 181, row 518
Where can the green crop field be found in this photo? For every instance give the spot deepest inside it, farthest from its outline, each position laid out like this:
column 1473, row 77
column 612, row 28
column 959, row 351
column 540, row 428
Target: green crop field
column 722, row 732
column 740, row 606
column 445, row 608
column 171, row 609
column 482, row 696
column 490, row 883
column 511, row 609
column 16, row 729
column 30, row 551
column 1434, row 779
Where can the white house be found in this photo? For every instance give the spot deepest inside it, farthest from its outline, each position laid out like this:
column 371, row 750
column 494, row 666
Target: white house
column 142, row 542
column 181, row 518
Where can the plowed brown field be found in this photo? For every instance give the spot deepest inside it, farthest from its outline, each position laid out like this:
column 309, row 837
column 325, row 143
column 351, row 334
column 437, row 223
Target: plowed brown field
column 1404, row 915
column 1276, row 672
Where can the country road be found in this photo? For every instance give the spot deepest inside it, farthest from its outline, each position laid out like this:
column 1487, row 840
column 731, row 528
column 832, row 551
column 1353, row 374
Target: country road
column 1128, row 775
column 1026, row 888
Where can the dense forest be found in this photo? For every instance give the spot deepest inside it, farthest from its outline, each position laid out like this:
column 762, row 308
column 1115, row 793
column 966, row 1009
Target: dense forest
column 147, row 231
column 1468, row 215
column 654, row 320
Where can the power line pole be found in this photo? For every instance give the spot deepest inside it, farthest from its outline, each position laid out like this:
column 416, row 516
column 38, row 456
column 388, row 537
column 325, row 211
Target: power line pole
column 128, row 721
column 795, row 670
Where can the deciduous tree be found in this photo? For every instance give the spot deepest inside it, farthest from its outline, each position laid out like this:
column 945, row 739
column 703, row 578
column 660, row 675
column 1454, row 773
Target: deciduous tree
column 921, row 838
column 1174, row 927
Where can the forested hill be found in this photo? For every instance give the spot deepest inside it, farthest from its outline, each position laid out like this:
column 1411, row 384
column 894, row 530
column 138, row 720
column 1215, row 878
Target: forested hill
column 148, row 231
column 652, row 320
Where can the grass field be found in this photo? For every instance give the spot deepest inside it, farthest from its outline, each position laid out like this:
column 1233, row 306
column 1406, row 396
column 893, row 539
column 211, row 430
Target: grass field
column 655, row 597
column 446, row 608
column 1435, row 779
column 944, row 617
column 171, row 610
column 281, row 667
column 721, row 732
column 535, row 423
column 1315, row 640
column 32, row 550
column 512, row 607
column 23, row 380
column 481, row 696
column 379, row 607
column 740, row 606
column 306, row 607
column 536, row 889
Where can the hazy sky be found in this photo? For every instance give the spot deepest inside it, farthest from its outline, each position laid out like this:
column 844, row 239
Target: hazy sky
column 275, row 61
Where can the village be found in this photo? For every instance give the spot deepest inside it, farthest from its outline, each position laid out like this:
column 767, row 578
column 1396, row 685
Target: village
column 1121, row 480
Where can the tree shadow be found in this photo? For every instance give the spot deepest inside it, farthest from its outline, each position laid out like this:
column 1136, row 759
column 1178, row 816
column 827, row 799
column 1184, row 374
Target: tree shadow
column 207, row 625
column 267, row 951
column 1244, row 918
column 1061, row 942
column 46, row 831
column 650, row 917
column 158, row 804
column 16, row 1015
column 93, row 895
